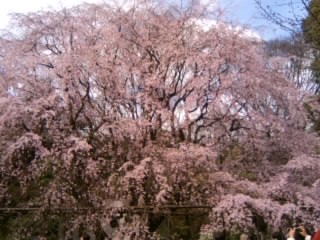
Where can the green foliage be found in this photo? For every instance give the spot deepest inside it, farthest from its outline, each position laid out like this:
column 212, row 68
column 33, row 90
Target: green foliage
column 314, row 116
column 25, row 219
column 311, row 24
column 183, row 224
column 251, row 176
column 311, row 30
column 48, row 226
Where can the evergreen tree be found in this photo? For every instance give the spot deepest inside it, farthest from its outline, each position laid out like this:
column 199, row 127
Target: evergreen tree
column 311, row 29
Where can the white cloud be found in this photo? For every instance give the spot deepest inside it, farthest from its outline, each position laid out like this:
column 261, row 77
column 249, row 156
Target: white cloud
column 22, row 6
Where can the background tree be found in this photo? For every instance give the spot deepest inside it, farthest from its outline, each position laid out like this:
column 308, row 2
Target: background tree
column 311, row 30
column 304, row 19
column 294, row 53
column 107, row 116
column 303, row 23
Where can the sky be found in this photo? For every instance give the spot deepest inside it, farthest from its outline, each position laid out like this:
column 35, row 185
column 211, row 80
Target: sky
column 238, row 11
column 246, row 12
